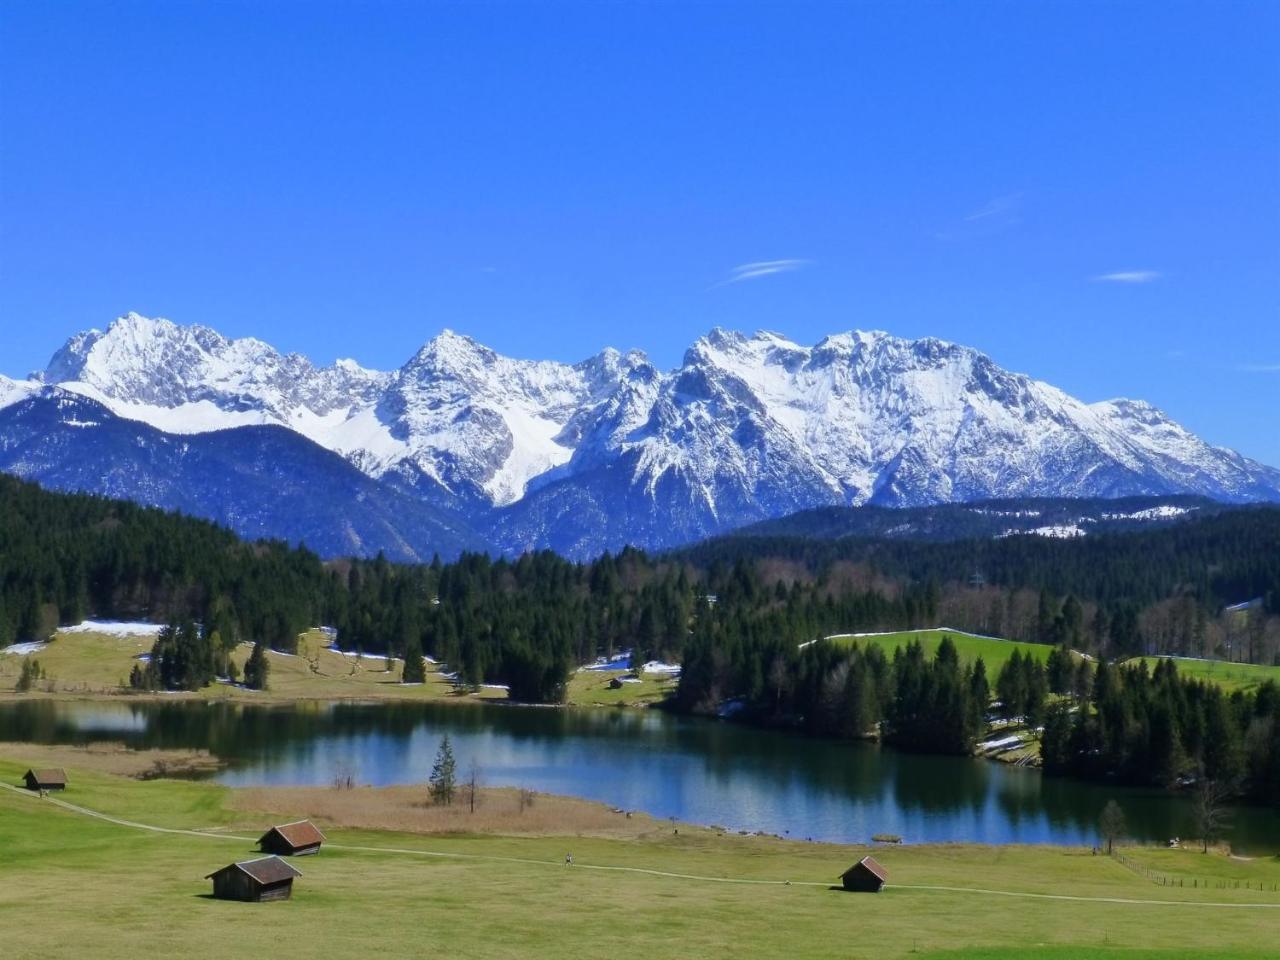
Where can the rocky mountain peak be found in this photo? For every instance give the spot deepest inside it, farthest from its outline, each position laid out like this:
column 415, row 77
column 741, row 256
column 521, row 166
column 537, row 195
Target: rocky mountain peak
column 749, row 426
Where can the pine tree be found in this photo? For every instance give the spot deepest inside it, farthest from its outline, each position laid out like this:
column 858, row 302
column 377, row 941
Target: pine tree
column 257, row 668
column 442, row 782
column 415, row 668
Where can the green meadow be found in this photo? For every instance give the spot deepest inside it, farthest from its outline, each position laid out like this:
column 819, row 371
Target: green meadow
column 1230, row 676
column 994, row 653
column 73, row 885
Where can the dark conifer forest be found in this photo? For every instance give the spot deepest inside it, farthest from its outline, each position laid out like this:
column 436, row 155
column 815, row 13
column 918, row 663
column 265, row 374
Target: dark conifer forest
column 739, row 614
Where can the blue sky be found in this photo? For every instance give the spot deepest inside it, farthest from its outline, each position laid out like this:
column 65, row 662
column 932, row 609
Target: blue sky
column 1089, row 192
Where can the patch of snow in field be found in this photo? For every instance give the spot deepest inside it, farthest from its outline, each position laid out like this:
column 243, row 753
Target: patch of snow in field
column 115, row 628
column 657, row 666
column 895, row 633
column 1000, row 744
column 22, row 649
column 368, row 656
column 619, row 661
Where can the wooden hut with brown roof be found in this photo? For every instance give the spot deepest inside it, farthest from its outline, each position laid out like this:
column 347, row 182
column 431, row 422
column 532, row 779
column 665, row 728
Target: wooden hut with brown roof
column 255, row 881
column 865, row 876
column 295, row 839
column 51, row 779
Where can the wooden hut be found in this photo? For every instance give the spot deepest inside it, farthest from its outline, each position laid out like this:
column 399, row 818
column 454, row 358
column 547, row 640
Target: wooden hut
column 295, row 839
column 255, row 881
column 865, row 876
column 53, row 779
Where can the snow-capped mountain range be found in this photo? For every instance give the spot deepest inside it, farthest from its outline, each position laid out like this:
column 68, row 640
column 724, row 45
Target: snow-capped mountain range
column 612, row 450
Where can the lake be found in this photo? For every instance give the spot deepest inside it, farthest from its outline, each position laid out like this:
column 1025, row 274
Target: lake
column 698, row 771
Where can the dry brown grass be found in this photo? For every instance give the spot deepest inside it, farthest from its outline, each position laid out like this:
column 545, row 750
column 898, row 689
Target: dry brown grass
column 409, row 810
column 113, row 758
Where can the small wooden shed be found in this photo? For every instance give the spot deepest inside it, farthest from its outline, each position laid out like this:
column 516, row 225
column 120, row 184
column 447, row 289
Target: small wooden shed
column 865, row 876
column 255, row 881
column 53, row 779
column 295, row 839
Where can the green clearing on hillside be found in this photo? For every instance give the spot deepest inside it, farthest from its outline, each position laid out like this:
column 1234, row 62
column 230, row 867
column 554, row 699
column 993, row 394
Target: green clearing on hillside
column 72, row 886
column 98, row 664
column 1229, row 676
column 994, row 653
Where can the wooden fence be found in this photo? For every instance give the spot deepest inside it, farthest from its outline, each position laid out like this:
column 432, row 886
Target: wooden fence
column 1202, row 883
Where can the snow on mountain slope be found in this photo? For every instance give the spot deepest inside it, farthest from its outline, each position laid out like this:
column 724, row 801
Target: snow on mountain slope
column 11, row 391
column 870, row 417
column 611, row 450
column 457, row 415
column 260, row 481
column 483, row 425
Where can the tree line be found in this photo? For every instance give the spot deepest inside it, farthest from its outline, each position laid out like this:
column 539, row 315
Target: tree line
column 740, row 616
column 1157, row 728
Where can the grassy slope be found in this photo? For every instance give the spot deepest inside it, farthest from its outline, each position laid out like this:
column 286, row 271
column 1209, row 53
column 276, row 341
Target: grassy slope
column 71, row 886
column 1230, row 676
column 994, row 653
column 97, row 664
column 591, row 688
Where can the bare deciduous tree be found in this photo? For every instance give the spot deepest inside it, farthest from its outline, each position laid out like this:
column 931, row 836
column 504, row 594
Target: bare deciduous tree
column 344, row 777
column 1210, row 808
column 1111, row 823
column 473, row 785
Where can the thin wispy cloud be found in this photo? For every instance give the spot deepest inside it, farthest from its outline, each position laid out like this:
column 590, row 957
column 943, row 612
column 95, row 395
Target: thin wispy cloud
column 993, row 217
column 1259, row 367
column 1129, row 276
column 760, row 268
column 1001, row 207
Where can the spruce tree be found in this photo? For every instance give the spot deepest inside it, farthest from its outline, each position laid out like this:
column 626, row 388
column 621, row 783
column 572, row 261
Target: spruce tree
column 257, row 668
column 442, row 782
column 415, row 668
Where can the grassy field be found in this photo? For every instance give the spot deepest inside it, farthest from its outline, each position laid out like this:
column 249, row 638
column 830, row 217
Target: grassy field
column 98, row 664
column 591, row 688
column 994, row 653
column 1231, row 676
column 76, row 886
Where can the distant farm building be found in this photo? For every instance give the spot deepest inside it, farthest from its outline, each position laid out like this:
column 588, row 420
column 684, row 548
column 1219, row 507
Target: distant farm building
column 254, row 881
column 292, row 839
column 45, row 779
column 865, row 876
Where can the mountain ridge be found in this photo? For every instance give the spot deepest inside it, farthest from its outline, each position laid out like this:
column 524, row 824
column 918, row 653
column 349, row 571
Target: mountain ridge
column 611, row 450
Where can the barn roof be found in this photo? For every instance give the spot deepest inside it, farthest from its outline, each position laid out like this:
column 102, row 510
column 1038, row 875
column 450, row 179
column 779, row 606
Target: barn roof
column 300, row 833
column 870, row 864
column 264, row 869
column 51, row 775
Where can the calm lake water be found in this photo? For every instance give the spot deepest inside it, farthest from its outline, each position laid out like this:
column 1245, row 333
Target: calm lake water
column 698, row 771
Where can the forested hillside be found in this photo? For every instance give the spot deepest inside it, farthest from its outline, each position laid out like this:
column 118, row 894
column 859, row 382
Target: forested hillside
column 1159, row 591
column 734, row 612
